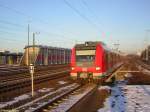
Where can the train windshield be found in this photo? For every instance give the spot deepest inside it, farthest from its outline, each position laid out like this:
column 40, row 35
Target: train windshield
column 85, row 58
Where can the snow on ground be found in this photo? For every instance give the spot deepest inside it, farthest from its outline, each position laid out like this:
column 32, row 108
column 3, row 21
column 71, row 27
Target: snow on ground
column 45, row 90
column 116, row 102
column 30, row 106
column 128, row 98
column 138, row 98
column 15, row 100
column 23, row 97
column 65, row 106
column 104, row 87
column 128, row 75
column 62, row 82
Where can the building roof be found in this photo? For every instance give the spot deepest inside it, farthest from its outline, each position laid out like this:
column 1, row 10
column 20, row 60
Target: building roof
column 44, row 46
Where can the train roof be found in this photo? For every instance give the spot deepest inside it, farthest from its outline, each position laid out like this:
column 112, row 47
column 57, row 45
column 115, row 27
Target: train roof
column 89, row 45
column 92, row 45
column 44, row 46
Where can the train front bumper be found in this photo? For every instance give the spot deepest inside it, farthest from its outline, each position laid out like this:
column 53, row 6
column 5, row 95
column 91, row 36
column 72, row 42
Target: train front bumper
column 85, row 75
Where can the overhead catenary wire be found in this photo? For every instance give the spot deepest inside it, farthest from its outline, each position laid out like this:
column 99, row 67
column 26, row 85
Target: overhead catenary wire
column 82, row 16
column 94, row 15
column 23, row 26
column 19, row 25
column 91, row 11
column 11, row 40
column 9, row 28
column 54, row 34
column 8, row 23
column 8, row 32
column 14, row 10
column 11, row 23
column 28, row 17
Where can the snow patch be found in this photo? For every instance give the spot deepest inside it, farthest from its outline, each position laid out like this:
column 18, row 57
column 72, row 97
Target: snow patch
column 128, row 75
column 104, row 87
column 138, row 98
column 23, row 97
column 62, row 82
column 65, row 106
column 30, row 106
column 116, row 102
column 44, row 90
column 128, row 98
column 15, row 100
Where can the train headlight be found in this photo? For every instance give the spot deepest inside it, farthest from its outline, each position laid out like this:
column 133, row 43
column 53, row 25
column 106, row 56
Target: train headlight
column 98, row 68
column 72, row 68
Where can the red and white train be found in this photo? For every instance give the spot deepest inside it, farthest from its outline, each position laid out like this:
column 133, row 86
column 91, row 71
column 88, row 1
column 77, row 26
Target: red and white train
column 93, row 60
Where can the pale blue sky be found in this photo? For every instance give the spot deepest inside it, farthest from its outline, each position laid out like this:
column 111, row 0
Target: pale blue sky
column 60, row 25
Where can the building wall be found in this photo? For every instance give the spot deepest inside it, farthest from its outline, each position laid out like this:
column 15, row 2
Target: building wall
column 11, row 58
column 46, row 55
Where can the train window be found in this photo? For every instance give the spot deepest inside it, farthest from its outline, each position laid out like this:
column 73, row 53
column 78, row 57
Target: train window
column 83, row 58
column 85, row 52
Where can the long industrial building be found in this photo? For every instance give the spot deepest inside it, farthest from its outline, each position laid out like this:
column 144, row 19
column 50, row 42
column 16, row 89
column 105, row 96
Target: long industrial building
column 7, row 57
column 45, row 55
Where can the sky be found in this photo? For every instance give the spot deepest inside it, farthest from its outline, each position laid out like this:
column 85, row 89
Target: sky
column 63, row 23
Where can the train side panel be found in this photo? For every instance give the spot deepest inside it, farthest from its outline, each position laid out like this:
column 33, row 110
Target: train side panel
column 99, row 62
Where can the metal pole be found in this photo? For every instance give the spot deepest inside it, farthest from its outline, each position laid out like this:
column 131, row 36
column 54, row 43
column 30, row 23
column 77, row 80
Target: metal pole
column 64, row 57
column 33, row 48
column 116, row 45
column 32, row 79
column 28, row 43
column 146, row 44
column 32, row 84
column 147, row 54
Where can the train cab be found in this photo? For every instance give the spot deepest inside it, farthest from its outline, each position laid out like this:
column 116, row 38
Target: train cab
column 92, row 60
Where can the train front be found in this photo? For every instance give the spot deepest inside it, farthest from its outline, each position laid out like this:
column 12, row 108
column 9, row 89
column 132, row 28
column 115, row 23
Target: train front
column 86, row 61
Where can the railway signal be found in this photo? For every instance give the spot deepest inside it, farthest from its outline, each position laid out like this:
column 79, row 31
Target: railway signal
column 31, row 68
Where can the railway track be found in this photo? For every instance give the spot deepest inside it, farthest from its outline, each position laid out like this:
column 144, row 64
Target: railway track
column 9, row 71
column 71, row 96
column 12, row 70
column 73, row 99
column 24, row 82
column 59, row 97
column 142, row 64
column 39, row 96
column 26, row 75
